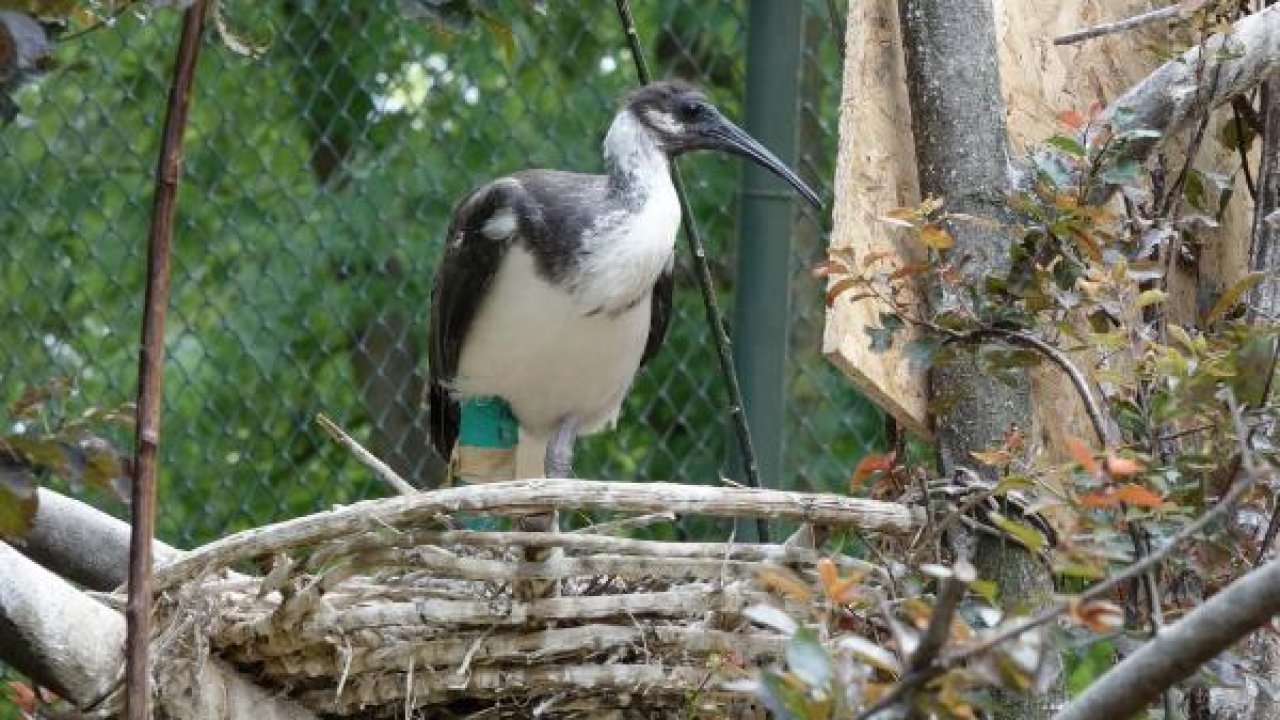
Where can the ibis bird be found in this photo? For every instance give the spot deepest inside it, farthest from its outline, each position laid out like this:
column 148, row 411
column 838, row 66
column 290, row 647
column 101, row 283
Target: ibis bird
column 555, row 287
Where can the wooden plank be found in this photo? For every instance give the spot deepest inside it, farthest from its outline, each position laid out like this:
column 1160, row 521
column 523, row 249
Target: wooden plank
column 875, row 172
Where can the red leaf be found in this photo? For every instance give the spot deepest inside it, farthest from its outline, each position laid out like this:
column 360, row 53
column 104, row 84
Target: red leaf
column 828, row 572
column 1123, row 467
column 1097, row 615
column 877, row 256
column 1071, row 118
column 20, row 694
column 1100, row 499
column 868, row 466
column 907, row 271
column 1082, row 454
column 1137, row 495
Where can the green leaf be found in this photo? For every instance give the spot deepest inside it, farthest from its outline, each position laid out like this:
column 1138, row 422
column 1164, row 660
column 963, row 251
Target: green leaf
column 1233, row 296
column 808, row 660
column 502, row 31
column 1089, row 665
column 1151, row 297
column 1025, row 534
column 1194, row 190
column 1067, row 144
column 1236, row 135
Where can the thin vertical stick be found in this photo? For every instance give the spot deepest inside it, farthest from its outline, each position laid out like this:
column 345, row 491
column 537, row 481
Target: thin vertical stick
column 694, row 237
column 151, row 366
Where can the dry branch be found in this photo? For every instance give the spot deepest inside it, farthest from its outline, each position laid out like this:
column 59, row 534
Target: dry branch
column 539, row 496
column 689, row 600
column 627, row 567
column 1244, row 606
column 526, row 648
column 64, row 528
column 1222, row 68
column 624, row 682
column 151, row 363
column 366, row 458
column 649, row 549
column 56, row 635
column 1176, row 11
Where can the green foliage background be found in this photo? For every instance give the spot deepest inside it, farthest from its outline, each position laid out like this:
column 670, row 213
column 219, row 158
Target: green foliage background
column 309, row 214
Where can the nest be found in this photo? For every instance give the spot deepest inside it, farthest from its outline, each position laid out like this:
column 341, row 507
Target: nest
column 385, row 605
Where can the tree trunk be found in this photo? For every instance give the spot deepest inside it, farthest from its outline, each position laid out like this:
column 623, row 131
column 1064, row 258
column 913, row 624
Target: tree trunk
column 962, row 151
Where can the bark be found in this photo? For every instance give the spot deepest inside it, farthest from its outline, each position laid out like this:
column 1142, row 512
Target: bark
column 1180, row 649
column 962, row 152
column 55, row 635
column 1263, row 254
column 83, row 544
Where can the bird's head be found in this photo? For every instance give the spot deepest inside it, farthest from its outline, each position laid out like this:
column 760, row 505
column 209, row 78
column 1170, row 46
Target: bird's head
column 681, row 119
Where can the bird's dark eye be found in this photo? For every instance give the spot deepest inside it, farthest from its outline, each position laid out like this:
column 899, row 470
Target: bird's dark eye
column 693, row 111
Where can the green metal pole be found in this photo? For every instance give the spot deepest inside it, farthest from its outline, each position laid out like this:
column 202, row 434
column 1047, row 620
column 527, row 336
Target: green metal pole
column 762, row 297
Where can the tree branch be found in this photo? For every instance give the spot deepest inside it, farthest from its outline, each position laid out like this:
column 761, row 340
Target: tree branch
column 1104, row 430
column 1171, row 12
column 366, row 458
column 151, row 362
column 63, row 531
column 1245, row 605
column 1169, row 98
column 56, row 635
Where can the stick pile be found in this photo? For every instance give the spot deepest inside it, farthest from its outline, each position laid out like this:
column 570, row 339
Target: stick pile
column 403, row 610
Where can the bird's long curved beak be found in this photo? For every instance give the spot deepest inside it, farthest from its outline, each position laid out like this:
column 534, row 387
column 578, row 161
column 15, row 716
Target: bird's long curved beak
column 730, row 138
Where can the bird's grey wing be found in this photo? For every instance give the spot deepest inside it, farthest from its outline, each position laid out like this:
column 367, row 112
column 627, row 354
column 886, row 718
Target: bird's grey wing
column 483, row 224
column 660, row 312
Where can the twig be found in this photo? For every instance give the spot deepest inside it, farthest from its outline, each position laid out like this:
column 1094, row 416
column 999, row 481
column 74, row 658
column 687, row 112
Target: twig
column 944, row 609
column 1171, row 12
column 616, row 527
column 899, row 691
column 703, row 272
column 939, row 629
column 1242, row 58
column 366, row 458
column 151, row 366
column 1104, row 430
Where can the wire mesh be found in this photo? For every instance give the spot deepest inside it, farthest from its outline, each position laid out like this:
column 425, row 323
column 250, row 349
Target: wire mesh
column 318, row 182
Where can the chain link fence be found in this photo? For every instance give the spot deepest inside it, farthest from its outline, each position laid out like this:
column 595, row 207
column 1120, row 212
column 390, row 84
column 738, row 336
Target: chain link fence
column 319, row 176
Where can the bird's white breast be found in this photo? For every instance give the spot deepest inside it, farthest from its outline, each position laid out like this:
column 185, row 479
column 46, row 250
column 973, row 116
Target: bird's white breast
column 532, row 344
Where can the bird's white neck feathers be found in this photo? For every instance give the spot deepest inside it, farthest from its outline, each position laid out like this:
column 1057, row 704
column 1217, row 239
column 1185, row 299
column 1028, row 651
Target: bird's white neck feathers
column 632, row 243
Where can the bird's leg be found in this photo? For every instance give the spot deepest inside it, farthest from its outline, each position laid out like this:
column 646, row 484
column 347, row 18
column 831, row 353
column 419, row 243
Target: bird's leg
column 559, row 462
